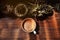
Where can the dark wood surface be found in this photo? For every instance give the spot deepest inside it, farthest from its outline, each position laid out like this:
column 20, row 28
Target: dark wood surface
column 49, row 29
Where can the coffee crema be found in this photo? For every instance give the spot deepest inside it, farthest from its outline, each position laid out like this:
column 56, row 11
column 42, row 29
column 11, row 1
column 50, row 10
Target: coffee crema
column 28, row 25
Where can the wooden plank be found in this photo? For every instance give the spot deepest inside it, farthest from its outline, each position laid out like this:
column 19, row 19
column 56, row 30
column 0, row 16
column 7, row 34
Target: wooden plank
column 55, row 24
column 46, row 30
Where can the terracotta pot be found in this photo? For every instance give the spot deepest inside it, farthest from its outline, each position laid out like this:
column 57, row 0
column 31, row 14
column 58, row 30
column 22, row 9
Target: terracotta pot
column 28, row 25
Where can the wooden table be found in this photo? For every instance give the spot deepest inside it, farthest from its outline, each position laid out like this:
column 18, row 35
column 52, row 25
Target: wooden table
column 49, row 29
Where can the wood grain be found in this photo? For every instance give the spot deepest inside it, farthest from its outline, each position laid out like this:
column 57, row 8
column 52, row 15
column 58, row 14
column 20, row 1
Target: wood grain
column 49, row 29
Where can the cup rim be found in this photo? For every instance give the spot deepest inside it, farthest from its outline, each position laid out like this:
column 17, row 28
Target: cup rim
column 27, row 19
